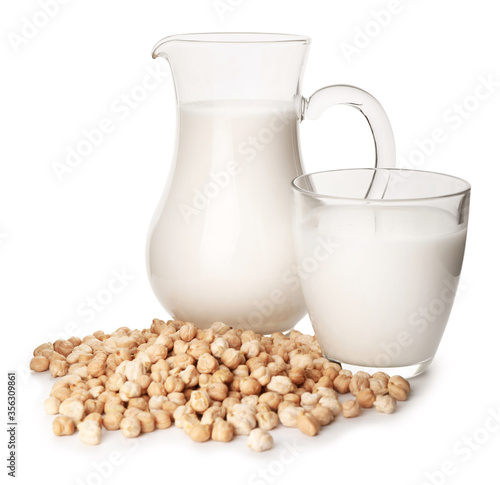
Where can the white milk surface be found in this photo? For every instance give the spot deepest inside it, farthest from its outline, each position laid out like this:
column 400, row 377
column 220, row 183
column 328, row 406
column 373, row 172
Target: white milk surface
column 220, row 246
column 383, row 296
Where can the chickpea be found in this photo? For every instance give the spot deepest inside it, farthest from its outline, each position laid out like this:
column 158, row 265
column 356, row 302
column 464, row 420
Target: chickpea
column 190, row 376
column 147, row 421
column 114, row 404
column 63, row 425
column 251, row 401
column 332, row 404
column 72, row 408
column 232, row 339
column 220, row 328
column 115, row 382
column 200, row 401
column 144, row 381
column 223, row 375
column 267, row 420
column 131, row 427
column 177, row 397
column 112, row 421
column 281, row 384
column 250, row 386
column 200, row 433
column 218, row 346
column 41, row 348
column 156, row 389
column 289, row 415
column 297, row 375
column 129, row 390
column 90, row 432
column 162, row 419
column 341, row 383
column 157, row 352
column 222, row 431
column 174, row 384
column 229, row 402
column 140, row 403
column 207, row 364
column 231, row 358
column 217, row 391
column 272, row 399
column 39, row 363
column 251, row 348
column 207, row 335
column 262, row 375
column 259, row 440
column 169, row 406
column 51, row 405
column 96, row 368
column 399, row 388
column 96, row 391
column 308, row 424
column 58, row 368
column 378, row 386
column 156, row 402
column 197, row 348
column 242, row 418
column 382, row 376
column 351, row 409
column 326, row 392
column 188, row 332
column 63, row 347
column 323, row 414
column 61, row 393
column 302, row 361
column 358, row 381
column 212, row 414
column 385, row 404
column 93, row 406
column 365, row 398
column 75, row 341
column 308, row 400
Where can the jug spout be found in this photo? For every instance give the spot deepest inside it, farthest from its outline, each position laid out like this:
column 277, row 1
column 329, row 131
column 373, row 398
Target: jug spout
column 232, row 66
column 162, row 48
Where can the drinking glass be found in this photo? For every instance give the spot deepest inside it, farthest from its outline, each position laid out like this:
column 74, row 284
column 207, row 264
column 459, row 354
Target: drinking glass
column 379, row 255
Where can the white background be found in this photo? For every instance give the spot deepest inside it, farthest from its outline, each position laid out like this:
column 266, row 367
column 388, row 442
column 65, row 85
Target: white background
column 61, row 240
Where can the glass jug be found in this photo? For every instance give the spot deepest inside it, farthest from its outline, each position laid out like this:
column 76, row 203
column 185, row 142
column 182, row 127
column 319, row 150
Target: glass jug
column 220, row 245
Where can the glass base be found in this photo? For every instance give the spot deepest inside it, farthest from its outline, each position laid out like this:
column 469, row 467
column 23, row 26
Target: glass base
column 407, row 371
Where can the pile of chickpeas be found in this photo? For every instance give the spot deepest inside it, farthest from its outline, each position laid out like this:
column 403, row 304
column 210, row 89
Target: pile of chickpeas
column 213, row 383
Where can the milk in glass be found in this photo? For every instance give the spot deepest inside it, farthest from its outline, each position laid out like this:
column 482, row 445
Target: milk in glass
column 383, row 295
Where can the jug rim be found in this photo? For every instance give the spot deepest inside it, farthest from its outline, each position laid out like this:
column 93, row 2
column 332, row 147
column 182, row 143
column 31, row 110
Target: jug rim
column 237, row 38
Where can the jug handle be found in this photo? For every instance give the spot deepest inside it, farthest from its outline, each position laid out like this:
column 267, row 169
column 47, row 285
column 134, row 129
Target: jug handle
column 321, row 100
